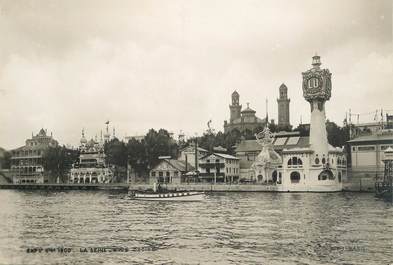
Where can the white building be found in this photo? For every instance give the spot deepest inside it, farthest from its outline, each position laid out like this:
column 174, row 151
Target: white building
column 219, row 168
column 314, row 166
column 91, row 167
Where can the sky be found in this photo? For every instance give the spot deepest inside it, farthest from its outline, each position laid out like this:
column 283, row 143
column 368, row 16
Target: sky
column 69, row 65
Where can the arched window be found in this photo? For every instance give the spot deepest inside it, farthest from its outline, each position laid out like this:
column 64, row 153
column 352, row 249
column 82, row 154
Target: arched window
column 279, row 177
column 323, row 160
column 326, row 174
column 294, row 160
column 274, row 176
column 339, row 176
column 299, row 162
column 295, row 177
column 290, row 162
column 317, row 160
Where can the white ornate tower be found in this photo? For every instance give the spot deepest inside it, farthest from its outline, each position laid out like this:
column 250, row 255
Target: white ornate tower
column 317, row 90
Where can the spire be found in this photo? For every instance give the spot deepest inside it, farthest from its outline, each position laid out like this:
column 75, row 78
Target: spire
column 267, row 112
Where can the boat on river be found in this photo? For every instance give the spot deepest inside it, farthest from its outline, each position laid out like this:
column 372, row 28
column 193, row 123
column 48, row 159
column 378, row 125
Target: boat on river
column 169, row 196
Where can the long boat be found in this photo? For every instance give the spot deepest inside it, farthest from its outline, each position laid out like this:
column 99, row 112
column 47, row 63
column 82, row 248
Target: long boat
column 170, row 196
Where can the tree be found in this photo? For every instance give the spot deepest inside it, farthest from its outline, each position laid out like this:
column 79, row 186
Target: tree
column 5, row 160
column 337, row 136
column 57, row 161
column 159, row 144
column 137, row 156
column 116, row 153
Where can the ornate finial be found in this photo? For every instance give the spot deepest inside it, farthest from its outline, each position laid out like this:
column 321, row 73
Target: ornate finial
column 265, row 137
column 316, row 61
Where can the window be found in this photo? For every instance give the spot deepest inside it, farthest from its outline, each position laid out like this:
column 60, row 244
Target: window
column 290, row 162
column 326, row 174
column 366, row 148
column 153, row 173
column 295, row 177
column 317, row 160
column 323, row 160
column 339, row 176
column 176, row 173
column 167, row 173
column 217, row 160
column 160, row 173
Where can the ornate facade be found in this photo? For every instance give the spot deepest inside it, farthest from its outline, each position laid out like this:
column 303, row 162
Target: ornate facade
column 91, row 167
column 311, row 165
column 242, row 120
column 26, row 161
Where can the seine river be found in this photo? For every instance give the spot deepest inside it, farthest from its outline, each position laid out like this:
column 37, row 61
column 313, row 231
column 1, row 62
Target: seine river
column 100, row 227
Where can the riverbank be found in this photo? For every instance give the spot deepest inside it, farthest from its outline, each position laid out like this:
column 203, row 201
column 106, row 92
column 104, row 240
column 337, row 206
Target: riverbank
column 354, row 185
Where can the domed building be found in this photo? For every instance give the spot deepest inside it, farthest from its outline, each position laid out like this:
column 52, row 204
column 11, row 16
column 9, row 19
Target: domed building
column 91, row 167
column 242, row 120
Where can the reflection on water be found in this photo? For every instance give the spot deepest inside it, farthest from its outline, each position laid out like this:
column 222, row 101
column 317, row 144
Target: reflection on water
column 227, row 228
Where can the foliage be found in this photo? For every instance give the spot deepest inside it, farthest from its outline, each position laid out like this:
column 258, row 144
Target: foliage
column 159, row 144
column 57, row 161
column 5, row 160
column 116, row 153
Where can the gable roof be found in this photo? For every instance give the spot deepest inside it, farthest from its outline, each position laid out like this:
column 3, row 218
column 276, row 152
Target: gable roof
column 225, row 156
column 177, row 164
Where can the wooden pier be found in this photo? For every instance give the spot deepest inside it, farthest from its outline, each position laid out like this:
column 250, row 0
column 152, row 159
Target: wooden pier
column 54, row 186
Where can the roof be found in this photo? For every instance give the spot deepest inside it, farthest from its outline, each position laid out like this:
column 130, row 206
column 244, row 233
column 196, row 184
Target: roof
column 179, row 165
column 259, row 120
column 284, row 142
column 219, row 149
column 373, row 138
column 226, row 156
column 248, row 109
column 193, row 148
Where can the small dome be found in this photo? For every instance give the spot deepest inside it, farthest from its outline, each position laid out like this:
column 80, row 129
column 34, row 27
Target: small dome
column 248, row 109
column 83, row 140
column 283, row 87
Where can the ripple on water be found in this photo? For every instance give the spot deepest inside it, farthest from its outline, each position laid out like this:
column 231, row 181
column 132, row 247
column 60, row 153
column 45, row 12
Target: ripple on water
column 227, row 228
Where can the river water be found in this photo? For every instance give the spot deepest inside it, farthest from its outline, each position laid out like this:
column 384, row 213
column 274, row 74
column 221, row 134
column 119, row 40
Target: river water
column 227, row 228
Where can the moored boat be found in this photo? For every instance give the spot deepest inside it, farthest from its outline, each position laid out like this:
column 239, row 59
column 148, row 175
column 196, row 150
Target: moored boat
column 170, row 196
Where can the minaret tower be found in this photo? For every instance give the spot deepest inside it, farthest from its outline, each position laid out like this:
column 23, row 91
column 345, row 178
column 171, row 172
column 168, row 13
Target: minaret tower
column 317, row 90
column 283, row 107
column 235, row 108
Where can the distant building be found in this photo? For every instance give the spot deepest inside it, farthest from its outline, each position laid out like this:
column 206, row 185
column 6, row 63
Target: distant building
column 219, row 168
column 91, row 167
column 139, row 138
column 187, row 154
column 248, row 150
column 26, row 161
column 367, row 153
column 283, row 109
column 242, row 120
column 170, row 171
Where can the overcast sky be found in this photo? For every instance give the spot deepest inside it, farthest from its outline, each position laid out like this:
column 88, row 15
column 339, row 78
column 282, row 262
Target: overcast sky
column 68, row 65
